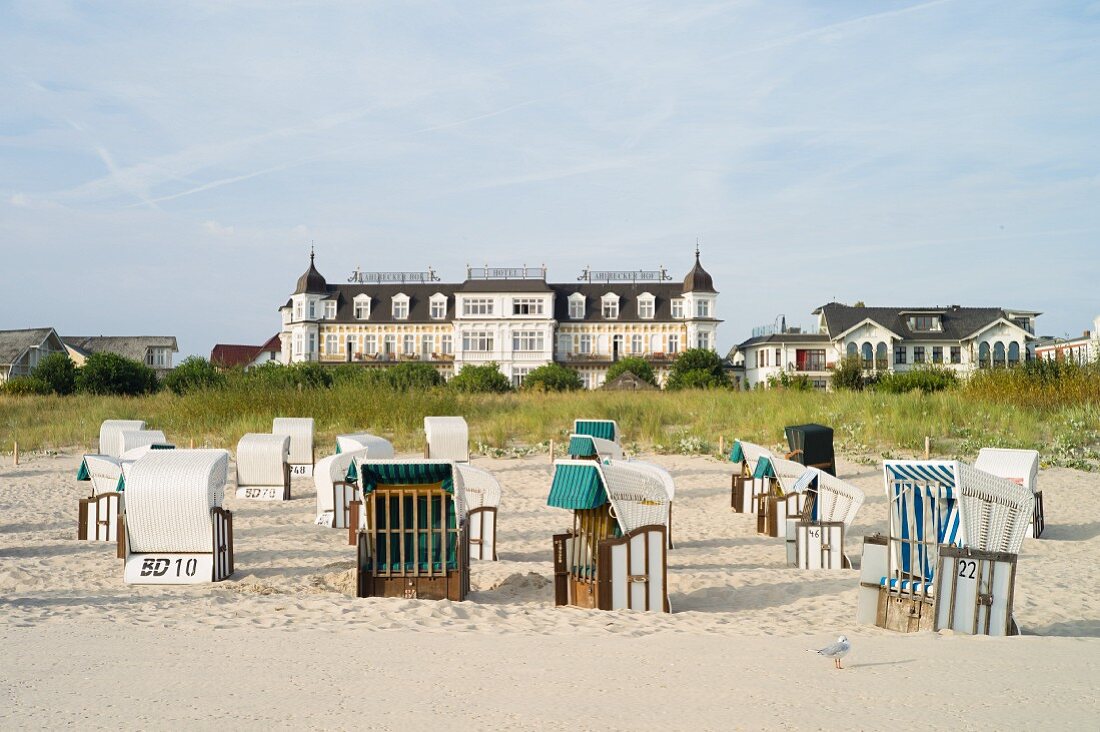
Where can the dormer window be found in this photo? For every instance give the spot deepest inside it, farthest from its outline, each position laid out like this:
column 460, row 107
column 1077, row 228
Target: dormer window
column 646, row 306
column 610, row 310
column 924, row 323
column 439, row 306
column 330, row 310
column 362, row 307
column 576, row 306
column 678, row 308
column 400, row 307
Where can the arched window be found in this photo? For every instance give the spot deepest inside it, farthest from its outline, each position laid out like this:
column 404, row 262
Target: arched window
column 881, row 356
column 983, row 355
column 868, row 356
column 852, row 350
column 1013, row 353
column 998, row 354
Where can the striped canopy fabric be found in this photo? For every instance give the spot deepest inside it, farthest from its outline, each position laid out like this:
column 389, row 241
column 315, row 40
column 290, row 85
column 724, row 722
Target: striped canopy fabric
column 763, row 468
column 923, row 512
column 581, row 446
column 413, row 472
column 576, row 485
column 737, row 454
column 605, row 429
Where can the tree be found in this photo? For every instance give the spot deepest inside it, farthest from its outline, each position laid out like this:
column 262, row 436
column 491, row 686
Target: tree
column 58, row 372
column 697, row 368
column 859, row 304
column 635, row 365
column 109, row 373
column 485, row 378
column 192, row 374
column 848, row 374
column 552, row 377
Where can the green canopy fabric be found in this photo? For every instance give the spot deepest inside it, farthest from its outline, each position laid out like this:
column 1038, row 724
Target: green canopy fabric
column 83, row 473
column 576, row 486
column 581, row 446
column 338, row 450
column 121, row 483
column 737, row 454
column 764, row 469
column 352, row 475
column 374, row 475
column 602, row 428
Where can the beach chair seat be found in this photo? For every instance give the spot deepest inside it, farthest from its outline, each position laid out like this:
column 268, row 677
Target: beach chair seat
column 1022, row 468
column 413, row 541
column 939, row 508
column 482, row 492
column 109, row 432
column 336, row 479
column 615, row 556
column 300, row 432
column 263, row 467
column 446, row 438
column 174, row 529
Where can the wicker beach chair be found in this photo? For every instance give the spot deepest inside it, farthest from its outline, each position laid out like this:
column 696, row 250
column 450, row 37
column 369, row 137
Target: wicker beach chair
column 336, row 480
column 361, row 441
column 97, row 515
column 413, row 543
column 781, row 501
column 943, row 513
column 482, row 492
column 175, row 530
column 300, row 432
column 109, row 431
column 811, row 445
column 446, row 438
column 263, row 467
column 615, row 556
column 603, row 429
column 130, row 441
column 1022, row 468
column 587, row 447
column 751, row 479
column 830, row 507
column 669, row 484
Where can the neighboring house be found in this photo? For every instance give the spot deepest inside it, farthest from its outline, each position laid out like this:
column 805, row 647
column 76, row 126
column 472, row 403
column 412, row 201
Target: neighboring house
column 227, row 356
column 892, row 340
column 513, row 317
column 1085, row 349
column 21, row 350
column 153, row 351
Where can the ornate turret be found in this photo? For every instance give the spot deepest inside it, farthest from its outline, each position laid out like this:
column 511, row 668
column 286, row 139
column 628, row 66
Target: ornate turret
column 312, row 281
column 698, row 279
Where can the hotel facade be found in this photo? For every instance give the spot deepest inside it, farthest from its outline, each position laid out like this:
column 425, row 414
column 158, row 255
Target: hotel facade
column 512, row 317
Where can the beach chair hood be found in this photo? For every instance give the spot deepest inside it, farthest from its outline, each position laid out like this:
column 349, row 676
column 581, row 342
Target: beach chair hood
column 373, row 473
column 169, row 495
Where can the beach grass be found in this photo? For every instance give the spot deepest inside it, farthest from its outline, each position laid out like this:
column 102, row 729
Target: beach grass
column 1061, row 420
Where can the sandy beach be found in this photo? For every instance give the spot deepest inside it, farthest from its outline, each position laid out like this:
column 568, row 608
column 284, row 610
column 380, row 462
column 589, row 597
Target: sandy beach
column 284, row 644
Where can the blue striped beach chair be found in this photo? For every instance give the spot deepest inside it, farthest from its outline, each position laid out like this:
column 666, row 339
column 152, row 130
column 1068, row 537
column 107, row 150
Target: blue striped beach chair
column 615, row 556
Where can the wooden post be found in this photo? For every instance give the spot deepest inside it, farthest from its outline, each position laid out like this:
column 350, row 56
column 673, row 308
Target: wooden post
column 192, row 443
column 551, row 452
column 721, row 444
column 15, row 454
column 927, row 447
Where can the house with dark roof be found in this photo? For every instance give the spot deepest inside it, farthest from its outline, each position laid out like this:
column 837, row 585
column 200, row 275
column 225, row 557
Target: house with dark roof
column 1083, row 350
column 231, row 355
column 889, row 339
column 156, row 352
column 21, row 350
column 513, row 317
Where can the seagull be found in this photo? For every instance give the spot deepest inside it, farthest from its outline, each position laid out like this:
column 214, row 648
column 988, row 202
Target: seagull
column 836, row 651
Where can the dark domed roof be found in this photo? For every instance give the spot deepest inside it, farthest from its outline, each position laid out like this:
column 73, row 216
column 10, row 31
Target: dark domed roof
column 311, row 281
column 698, row 279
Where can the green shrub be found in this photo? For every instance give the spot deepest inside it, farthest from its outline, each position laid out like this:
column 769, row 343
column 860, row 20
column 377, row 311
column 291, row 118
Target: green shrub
column 480, row 379
column 637, row 366
column 413, row 375
column 306, row 375
column 927, row 380
column 58, row 372
column 192, row 374
column 109, row 373
column 794, row 382
column 848, row 375
column 697, row 368
column 552, row 377
column 25, row 386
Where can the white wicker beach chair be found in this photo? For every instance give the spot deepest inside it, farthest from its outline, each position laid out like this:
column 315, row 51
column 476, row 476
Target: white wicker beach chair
column 97, row 515
column 482, row 495
column 447, row 438
column 584, row 447
column 669, row 484
column 175, row 529
column 1019, row 466
column 828, row 512
column 335, row 478
column 129, row 440
column 413, row 541
column 109, row 434
column 615, row 557
column 943, row 513
column 300, row 432
column 263, row 467
column 363, row 440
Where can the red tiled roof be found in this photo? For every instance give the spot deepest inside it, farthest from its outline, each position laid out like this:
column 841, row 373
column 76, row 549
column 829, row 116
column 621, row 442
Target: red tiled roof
column 228, row 355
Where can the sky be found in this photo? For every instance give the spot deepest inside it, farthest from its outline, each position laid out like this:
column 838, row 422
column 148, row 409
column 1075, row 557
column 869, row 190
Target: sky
column 165, row 167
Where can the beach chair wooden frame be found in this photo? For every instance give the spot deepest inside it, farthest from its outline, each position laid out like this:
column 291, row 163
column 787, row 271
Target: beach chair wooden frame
column 482, row 494
column 98, row 517
column 974, row 592
column 413, row 544
column 820, row 545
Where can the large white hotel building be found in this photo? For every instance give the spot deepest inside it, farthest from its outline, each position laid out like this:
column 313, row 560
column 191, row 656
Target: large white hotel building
column 510, row 316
